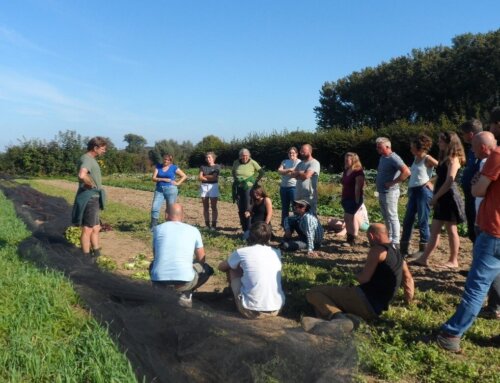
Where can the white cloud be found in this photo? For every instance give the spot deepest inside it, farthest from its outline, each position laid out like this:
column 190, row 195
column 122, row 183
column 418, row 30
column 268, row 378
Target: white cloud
column 12, row 37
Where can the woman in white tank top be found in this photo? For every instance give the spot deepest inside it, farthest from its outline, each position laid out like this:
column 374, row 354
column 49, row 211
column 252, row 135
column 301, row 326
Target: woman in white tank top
column 419, row 193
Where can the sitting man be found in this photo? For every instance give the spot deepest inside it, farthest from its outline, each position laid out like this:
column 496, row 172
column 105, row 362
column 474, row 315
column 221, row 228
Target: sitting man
column 254, row 273
column 383, row 273
column 174, row 244
column 307, row 226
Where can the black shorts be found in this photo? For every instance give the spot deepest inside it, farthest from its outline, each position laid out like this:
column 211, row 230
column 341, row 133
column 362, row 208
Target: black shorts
column 91, row 213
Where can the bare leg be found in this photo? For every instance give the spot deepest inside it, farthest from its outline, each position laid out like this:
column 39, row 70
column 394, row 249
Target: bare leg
column 206, row 212
column 94, row 237
column 454, row 242
column 85, row 239
column 215, row 212
column 432, row 244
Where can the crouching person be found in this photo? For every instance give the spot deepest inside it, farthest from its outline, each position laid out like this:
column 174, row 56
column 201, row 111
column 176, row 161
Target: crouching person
column 254, row 273
column 173, row 267
column 306, row 225
column 382, row 275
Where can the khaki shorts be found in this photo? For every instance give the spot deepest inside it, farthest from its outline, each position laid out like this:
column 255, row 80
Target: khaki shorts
column 246, row 313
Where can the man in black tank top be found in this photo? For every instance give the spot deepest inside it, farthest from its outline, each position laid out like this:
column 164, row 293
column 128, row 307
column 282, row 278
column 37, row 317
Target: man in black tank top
column 382, row 275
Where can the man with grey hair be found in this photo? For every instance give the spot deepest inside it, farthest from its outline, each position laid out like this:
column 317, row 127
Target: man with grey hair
column 307, row 175
column 390, row 173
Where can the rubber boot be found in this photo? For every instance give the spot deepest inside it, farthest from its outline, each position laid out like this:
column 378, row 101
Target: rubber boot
column 420, row 252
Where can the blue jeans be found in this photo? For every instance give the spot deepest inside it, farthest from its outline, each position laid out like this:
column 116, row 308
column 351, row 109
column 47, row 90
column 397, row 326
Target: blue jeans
column 419, row 199
column 287, row 195
column 485, row 268
column 169, row 194
column 389, row 208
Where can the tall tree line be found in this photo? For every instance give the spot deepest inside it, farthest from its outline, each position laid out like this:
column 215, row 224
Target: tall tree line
column 456, row 82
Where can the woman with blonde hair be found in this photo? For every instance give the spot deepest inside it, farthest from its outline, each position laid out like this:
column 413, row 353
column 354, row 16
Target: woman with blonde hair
column 448, row 204
column 353, row 181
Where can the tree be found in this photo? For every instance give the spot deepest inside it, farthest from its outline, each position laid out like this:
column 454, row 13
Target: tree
column 135, row 142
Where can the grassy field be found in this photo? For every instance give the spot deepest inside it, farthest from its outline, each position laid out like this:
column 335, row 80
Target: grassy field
column 396, row 348
column 45, row 333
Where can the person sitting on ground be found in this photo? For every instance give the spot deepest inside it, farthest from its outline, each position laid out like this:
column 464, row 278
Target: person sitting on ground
column 254, row 274
column 382, row 275
column 261, row 207
column 307, row 226
column 338, row 225
column 174, row 244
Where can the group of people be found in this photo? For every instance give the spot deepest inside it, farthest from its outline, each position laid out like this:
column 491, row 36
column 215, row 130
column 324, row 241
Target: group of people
column 254, row 271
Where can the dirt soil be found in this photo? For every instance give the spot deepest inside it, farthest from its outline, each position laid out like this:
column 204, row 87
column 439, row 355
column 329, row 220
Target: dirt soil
column 166, row 343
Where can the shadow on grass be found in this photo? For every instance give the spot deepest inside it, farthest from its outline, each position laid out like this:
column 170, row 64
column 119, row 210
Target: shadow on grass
column 165, row 342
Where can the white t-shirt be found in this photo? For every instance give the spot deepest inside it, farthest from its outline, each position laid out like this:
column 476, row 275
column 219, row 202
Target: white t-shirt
column 261, row 281
column 286, row 180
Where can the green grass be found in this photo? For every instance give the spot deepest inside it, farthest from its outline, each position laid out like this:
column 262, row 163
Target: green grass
column 395, row 348
column 45, row 335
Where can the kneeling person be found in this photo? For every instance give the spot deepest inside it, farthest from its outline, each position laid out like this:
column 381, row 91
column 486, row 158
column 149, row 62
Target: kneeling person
column 307, row 227
column 174, row 244
column 382, row 275
column 254, row 273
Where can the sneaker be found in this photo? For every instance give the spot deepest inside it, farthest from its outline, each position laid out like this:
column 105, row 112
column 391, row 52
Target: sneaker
column 356, row 320
column 488, row 313
column 334, row 327
column 186, row 299
column 309, row 322
column 448, row 342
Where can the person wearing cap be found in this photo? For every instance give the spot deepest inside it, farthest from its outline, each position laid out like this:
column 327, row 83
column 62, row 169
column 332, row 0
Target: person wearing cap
column 307, row 226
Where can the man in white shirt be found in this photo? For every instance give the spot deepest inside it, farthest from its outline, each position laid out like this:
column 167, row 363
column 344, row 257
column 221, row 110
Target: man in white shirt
column 254, row 273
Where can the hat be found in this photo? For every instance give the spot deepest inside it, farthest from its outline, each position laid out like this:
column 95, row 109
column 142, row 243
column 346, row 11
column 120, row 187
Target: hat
column 302, row 202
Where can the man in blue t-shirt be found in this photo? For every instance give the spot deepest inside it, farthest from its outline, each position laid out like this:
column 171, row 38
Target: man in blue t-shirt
column 174, row 244
column 391, row 172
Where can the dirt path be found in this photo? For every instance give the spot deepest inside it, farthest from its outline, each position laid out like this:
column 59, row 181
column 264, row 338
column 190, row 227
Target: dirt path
column 121, row 248
column 166, row 343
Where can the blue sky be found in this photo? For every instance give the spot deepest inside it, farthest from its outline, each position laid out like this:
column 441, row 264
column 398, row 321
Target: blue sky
column 185, row 69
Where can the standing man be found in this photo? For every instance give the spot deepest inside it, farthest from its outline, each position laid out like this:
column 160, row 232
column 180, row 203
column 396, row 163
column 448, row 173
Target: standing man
column 486, row 254
column 469, row 130
column 90, row 197
column 307, row 174
column 174, row 245
column 390, row 173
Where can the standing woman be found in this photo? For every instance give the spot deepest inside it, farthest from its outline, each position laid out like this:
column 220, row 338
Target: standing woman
column 209, row 188
column 448, row 204
column 353, row 182
column 287, row 185
column 246, row 172
column 164, row 176
column 419, row 193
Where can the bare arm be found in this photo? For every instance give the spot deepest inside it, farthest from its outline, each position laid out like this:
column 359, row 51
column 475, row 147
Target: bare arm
column 480, row 187
column 408, row 283
column 182, row 178
column 358, row 187
column 431, row 162
column 376, row 255
column 450, row 177
column 404, row 173
column 158, row 179
column 200, row 254
column 303, row 175
column 84, row 176
column 269, row 209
